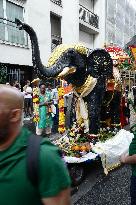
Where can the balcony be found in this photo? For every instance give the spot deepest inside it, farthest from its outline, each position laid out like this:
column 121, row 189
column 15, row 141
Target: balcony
column 11, row 35
column 58, row 2
column 55, row 41
column 88, row 18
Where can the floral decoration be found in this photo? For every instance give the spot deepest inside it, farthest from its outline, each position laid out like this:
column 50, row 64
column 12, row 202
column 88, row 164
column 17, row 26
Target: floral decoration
column 36, row 117
column 61, row 127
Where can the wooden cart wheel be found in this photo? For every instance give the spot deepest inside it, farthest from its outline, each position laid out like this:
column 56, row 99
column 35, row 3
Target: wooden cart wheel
column 77, row 173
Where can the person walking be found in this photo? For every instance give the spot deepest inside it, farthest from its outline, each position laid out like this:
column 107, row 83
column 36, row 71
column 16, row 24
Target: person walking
column 131, row 159
column 49, row 117
column 28, row 104
column 56, row 115
column 132, row 108
column 53, row 186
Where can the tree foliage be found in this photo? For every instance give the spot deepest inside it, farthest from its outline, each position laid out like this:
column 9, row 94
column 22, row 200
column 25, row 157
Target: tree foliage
column 3, row 73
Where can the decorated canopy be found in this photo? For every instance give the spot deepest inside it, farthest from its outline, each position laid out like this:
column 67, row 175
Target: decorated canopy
column 119, row 56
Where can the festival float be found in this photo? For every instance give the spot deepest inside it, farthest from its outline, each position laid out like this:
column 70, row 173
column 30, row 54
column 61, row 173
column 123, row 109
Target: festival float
column 88, row 72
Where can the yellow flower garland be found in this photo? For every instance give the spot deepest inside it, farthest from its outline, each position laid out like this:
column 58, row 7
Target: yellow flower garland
column 36, row 117
column 61, row 128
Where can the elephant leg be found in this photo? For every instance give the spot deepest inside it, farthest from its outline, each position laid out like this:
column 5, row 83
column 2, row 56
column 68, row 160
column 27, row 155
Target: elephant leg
column 94, row 101
column 104, row 115
column 115, row 109
column 106, row 109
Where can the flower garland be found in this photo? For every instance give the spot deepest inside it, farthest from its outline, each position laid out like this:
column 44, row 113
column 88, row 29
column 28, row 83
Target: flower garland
column 36, row 117
column 61, row 128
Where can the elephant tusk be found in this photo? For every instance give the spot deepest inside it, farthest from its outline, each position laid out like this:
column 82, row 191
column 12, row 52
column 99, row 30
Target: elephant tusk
column 66, row 71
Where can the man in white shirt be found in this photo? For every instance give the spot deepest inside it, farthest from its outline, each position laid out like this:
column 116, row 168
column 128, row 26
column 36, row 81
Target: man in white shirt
column 27, row 90
column 55, row 103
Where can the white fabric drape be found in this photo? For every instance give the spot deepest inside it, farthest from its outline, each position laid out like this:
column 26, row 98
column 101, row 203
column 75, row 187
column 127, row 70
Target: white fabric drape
column 81, row 107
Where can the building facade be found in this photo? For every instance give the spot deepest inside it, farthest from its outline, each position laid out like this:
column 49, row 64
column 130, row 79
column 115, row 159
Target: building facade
column 55, row 22
column 120, row 21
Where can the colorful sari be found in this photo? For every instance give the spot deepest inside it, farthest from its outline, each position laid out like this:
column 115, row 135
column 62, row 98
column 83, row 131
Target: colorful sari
column 45, row 116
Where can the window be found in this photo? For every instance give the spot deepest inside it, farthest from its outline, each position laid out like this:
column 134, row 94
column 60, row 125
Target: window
column 9, row 32
column 2, row 27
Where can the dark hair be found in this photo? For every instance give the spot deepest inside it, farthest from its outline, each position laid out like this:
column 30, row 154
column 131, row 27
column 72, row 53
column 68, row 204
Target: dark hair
column 41, row 84
column 17, row 86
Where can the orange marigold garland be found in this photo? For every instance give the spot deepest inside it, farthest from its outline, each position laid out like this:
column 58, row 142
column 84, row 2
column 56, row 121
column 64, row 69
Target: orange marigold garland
column 36, row 117
column 61, row 128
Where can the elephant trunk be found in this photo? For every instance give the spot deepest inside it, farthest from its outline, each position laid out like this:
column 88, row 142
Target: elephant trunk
column 68, row 59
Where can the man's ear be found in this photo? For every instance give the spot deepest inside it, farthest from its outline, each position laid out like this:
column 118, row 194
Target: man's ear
column 15, row 115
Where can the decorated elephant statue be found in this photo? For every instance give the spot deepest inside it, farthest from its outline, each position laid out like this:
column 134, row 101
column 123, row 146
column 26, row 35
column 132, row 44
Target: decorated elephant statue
column 86, row 71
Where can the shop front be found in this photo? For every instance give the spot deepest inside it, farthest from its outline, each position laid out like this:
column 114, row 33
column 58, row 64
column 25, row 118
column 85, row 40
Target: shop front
column 12, row 72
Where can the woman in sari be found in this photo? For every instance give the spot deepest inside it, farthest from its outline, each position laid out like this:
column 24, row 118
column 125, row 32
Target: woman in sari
column 45, row 102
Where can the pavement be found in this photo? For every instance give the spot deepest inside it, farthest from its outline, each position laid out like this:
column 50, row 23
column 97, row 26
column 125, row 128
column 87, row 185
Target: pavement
column 112, row 189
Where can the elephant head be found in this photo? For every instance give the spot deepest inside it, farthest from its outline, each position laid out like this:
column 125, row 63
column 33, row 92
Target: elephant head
column 68, row 63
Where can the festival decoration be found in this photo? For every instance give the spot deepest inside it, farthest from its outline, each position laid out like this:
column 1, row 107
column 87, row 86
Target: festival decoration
column 75, row 143
column 61, row 127
column 81, row 107
column 74, row 63
column 36, row 117
column 85, row 70
column 119, row 57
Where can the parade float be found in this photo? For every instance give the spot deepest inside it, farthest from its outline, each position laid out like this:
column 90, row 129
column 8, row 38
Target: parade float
column 89, row 73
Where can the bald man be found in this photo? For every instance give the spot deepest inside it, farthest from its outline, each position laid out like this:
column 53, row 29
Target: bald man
column 15, row 187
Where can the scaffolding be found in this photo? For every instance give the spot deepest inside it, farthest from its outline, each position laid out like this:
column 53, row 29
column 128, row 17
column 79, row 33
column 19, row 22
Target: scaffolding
column 128, row 78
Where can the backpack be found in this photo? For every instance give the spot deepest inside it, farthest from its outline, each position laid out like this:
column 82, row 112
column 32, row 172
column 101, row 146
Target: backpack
column 32, row 158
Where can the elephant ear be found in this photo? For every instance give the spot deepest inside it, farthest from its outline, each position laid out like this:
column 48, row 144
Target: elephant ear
column 99, row 63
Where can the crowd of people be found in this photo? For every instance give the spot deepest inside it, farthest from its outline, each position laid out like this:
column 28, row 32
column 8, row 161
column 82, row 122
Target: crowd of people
column 48, row 106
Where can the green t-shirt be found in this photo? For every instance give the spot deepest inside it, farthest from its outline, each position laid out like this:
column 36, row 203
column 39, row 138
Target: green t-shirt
column 16, row 188
column 132, row 150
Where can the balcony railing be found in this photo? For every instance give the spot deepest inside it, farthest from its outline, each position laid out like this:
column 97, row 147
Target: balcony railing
column 88, row 17
column 55, row 41
column 11, row 34
column 58, row 2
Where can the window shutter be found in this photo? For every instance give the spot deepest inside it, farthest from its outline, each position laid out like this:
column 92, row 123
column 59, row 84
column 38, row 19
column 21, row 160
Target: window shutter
column 14, row 34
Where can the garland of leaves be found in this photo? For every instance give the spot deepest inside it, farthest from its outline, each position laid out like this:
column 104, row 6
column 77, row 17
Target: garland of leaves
column 127, row 64
column 3, row 73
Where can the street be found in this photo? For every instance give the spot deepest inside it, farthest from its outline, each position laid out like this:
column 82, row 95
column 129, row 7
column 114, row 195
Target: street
column 99, row 189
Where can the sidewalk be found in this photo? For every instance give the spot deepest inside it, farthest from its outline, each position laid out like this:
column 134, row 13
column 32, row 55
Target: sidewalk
column 31, row 126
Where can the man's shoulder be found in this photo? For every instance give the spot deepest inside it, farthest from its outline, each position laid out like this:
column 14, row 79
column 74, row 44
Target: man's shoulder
column 48, row 147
